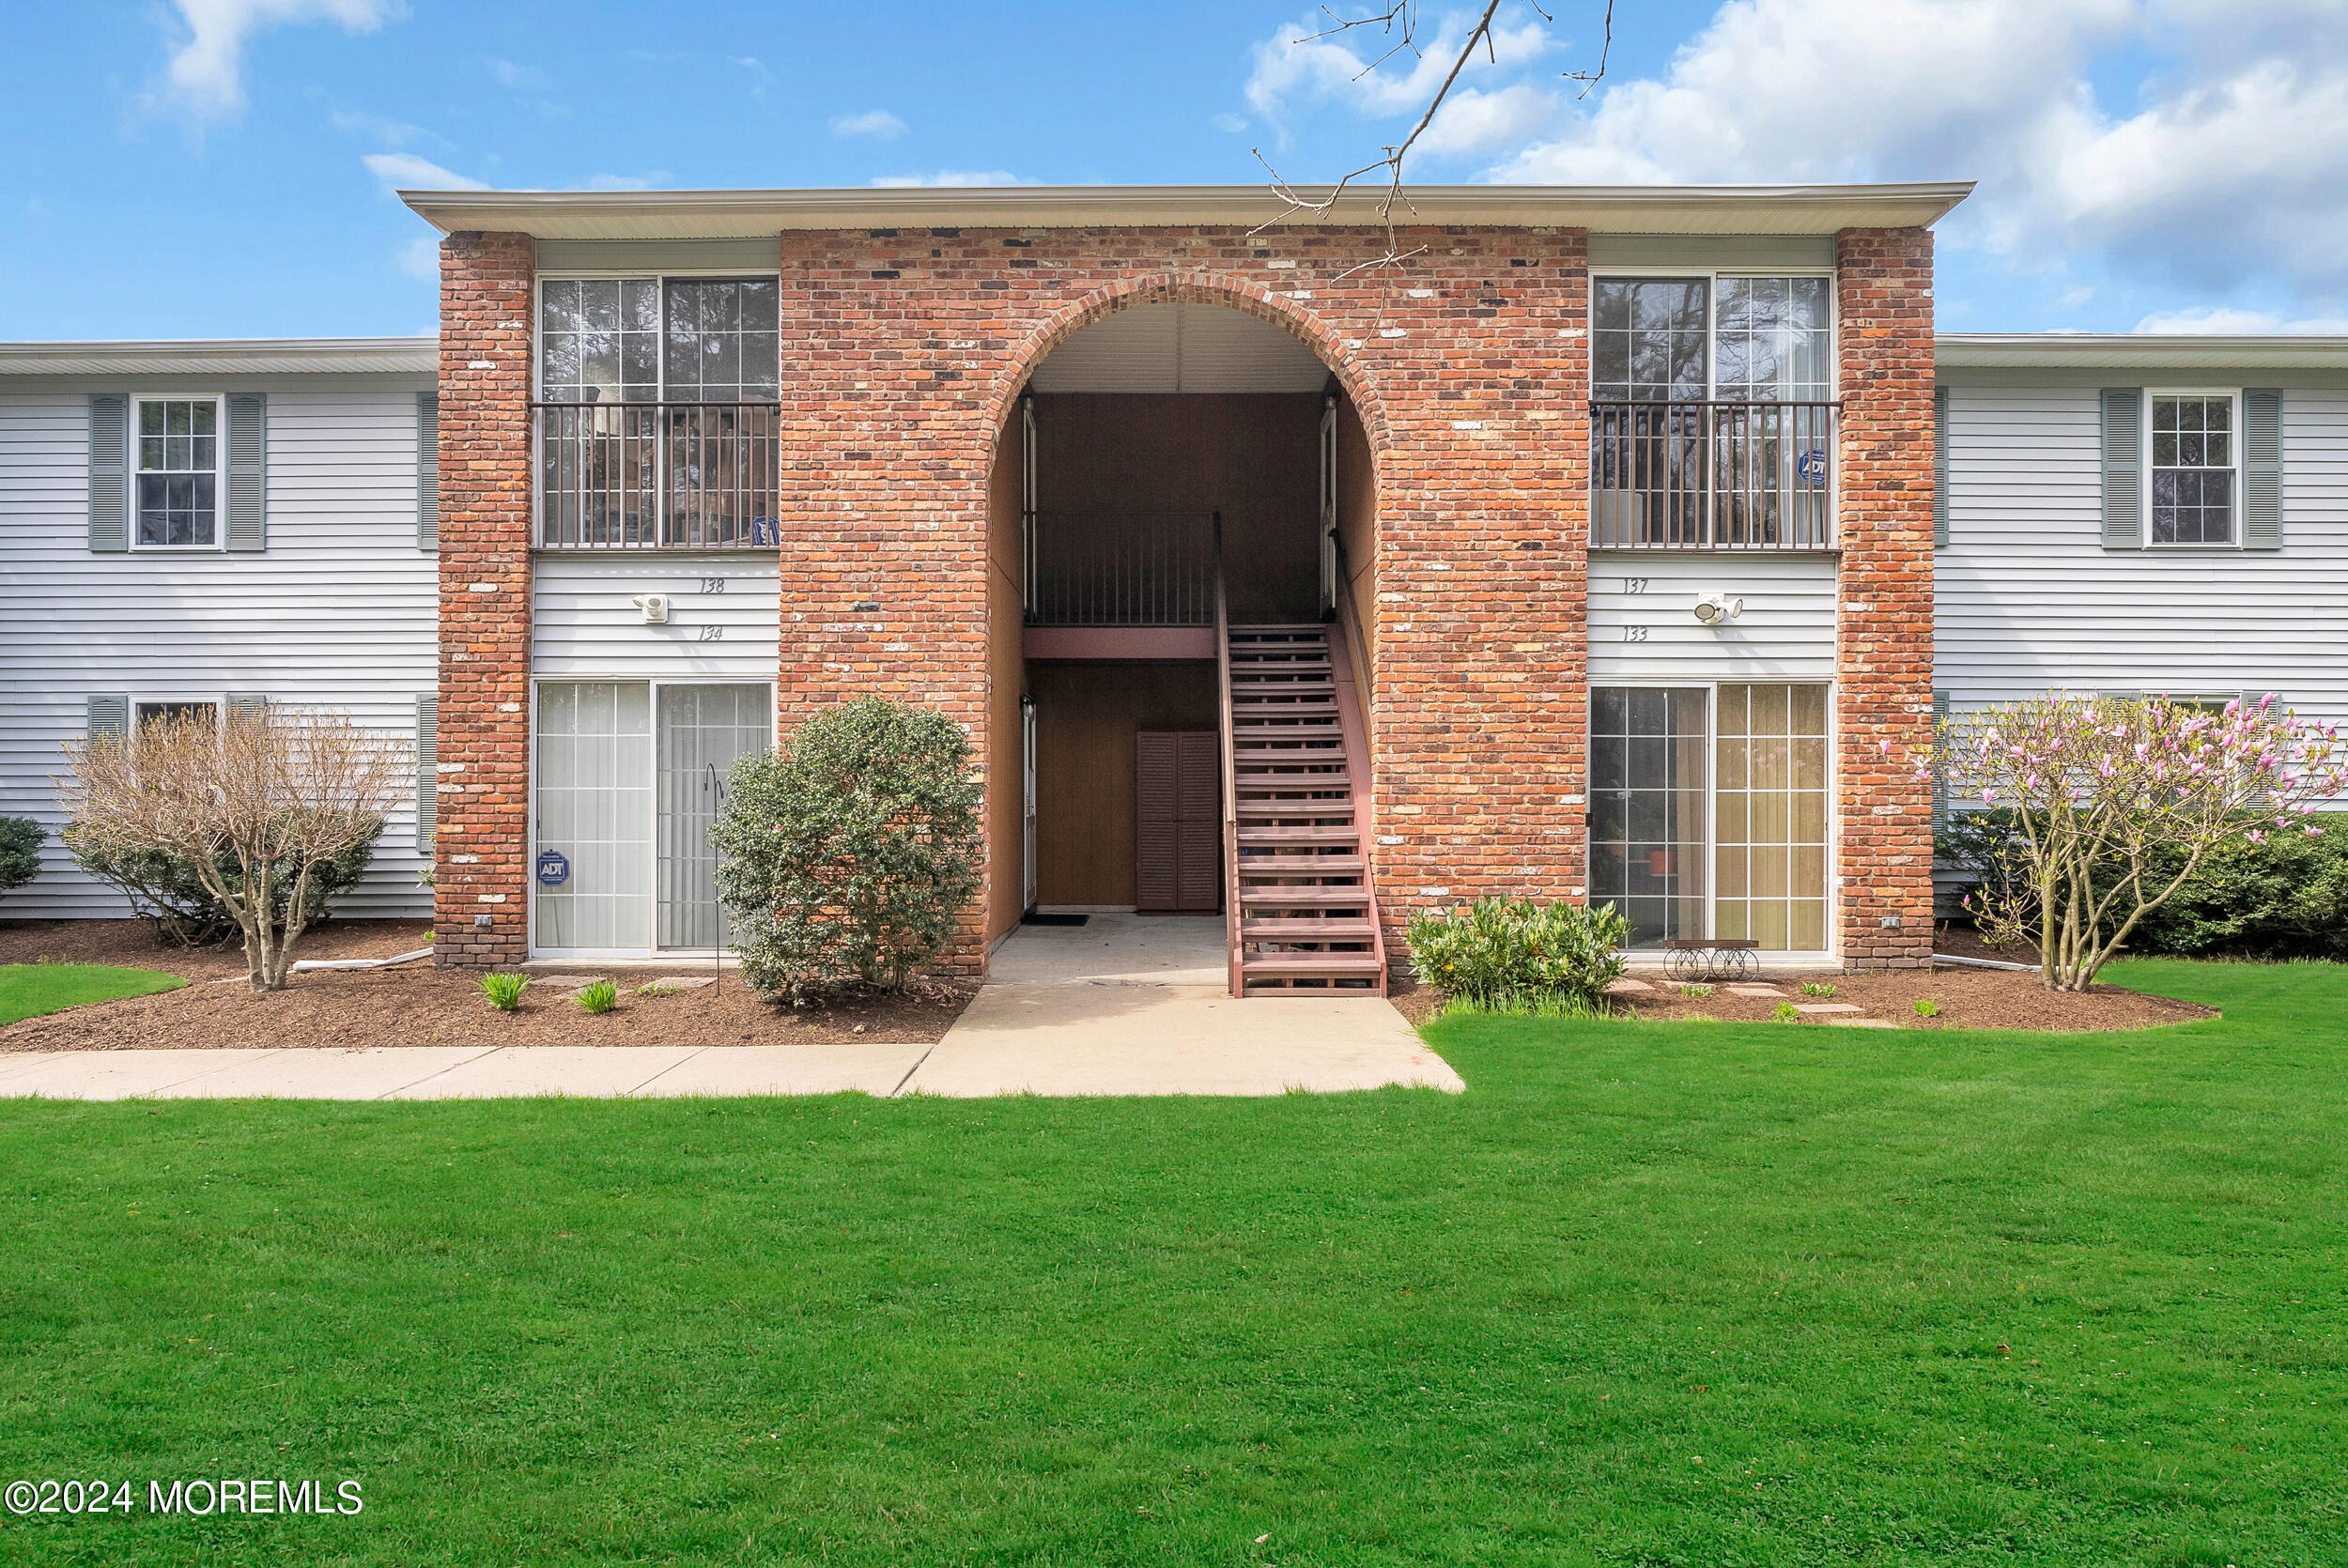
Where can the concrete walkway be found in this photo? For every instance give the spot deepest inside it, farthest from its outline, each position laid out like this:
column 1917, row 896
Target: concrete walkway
column 1120, row 1006
column 1139, row 1004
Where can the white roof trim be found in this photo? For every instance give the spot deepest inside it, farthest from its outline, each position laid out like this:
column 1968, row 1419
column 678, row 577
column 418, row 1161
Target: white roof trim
column 225, row 357
column 2136, row 351
column 1602, row 209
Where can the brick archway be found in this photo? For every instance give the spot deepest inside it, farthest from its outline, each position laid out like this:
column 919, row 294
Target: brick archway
column 1199, row 289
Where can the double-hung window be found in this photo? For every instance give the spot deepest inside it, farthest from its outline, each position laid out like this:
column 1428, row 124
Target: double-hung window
column 2195, row 454
column 1711, row 411
column 176, row 501
column 659, row 411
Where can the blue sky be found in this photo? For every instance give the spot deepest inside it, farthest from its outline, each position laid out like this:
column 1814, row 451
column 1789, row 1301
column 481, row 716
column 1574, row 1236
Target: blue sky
column 222, row 167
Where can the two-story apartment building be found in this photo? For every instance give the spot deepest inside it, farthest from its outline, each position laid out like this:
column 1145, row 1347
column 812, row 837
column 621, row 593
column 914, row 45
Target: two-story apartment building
column 1618, row 545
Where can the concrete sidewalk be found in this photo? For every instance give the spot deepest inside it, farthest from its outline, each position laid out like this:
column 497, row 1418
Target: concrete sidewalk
column 460, row 1072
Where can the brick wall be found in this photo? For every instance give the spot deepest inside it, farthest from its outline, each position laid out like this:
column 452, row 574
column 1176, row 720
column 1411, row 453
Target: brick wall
column 1469, row 367
column 1883, row 654
column 483, row 850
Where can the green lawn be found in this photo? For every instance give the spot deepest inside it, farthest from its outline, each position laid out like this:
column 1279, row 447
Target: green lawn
column 30, row 989
column 1644, row 1295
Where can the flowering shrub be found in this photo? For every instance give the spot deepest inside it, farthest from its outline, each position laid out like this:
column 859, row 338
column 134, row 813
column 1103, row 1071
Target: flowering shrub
column 1513, row 954
column 2106, row 806
column 848, row 856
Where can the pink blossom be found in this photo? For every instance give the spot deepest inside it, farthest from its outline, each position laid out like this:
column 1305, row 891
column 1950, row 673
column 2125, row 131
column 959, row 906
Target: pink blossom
column 2258, row 836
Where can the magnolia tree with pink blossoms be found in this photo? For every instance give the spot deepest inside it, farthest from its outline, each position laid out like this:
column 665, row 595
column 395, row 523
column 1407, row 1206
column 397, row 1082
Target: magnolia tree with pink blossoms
column 2116, row 802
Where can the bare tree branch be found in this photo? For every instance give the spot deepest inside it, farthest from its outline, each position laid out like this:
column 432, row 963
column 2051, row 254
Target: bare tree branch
column 1400, row 21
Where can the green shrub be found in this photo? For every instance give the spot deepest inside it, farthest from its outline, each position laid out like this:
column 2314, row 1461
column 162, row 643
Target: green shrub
column 20, row 851
column 1788, row 1013
column 1816, row 988
column 164, row 890
column 2285, row 897
column 598, row 997
column 505, row 992
column 1515, row 955
column 1925, row 1007
column 848, row 856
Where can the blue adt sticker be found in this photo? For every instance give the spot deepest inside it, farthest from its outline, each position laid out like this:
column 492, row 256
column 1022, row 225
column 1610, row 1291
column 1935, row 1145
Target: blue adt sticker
column 553, row 869
column 1810, row 468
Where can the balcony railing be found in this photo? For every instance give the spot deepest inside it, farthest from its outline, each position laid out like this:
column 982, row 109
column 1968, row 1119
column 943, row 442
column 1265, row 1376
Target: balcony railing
column 1120, row 568
column 654, row 476
column 1713, row 476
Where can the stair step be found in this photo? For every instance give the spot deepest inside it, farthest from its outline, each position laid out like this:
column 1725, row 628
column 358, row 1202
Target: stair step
column 1263, row 810
column 1279, row 661
column 1257, row 866
column 1302, row 929
column 1262, row 729
column 1305, row 966
column 1300, row 708
column 1259, row 836
column 1294, row 756
column 1317, row 628
column 1303, row 897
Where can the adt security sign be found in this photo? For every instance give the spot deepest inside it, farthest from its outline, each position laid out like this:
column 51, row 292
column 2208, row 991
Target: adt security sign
column 553, row 869
column 1810, row 468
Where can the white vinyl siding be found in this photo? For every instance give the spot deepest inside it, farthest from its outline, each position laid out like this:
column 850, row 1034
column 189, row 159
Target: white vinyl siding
column 340, row 610
column 1786, row 631
column 2028, row 601
column 586, row 625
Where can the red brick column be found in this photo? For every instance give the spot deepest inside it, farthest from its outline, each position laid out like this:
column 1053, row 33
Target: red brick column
column 1883, row 647
column 482, row 831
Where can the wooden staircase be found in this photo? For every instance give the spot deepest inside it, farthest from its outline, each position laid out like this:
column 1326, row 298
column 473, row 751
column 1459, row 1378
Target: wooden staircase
column 1303, row 914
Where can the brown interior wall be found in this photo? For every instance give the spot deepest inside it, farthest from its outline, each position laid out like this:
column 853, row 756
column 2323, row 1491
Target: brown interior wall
column 1357, row 523
column 1006, row 673
column 1086, row 716
column 1253, row 455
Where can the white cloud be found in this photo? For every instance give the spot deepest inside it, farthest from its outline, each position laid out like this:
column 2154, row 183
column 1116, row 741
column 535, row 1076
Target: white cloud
column 879, row 124
column 952, row 178
column 1228, row 122
column 1306, row 64
column 2228, row 320
column 405, row 171
column 379, row 128
column 522, row 78
column 206, row 71
column 2227, row 164
column 1474, row 121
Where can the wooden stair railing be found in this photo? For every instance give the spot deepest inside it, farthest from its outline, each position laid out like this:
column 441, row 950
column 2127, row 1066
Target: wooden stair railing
column 1301, row 912
column 1230, row 791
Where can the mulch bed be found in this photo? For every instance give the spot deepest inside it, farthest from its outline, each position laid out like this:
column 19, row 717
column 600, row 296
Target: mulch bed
column 1966, row 999
column 418, row 1005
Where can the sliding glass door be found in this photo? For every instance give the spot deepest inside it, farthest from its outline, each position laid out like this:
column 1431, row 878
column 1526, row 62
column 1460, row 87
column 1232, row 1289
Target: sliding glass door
column 1646, row 808
column 1730, row 779
column 629, row 774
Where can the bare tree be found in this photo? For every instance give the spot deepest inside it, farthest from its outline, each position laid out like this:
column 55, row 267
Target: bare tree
column 251, row 803
column 1398, row 22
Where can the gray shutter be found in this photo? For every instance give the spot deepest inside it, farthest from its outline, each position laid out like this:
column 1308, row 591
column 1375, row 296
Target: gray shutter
column 109, row 473
column 1939, row 791
column 427, row 470
column 108, row 715
column 428, row 769
column 247, row 702
column 248, row 471
column 2263, row 469
column 1940, row 467
column 2123, row 468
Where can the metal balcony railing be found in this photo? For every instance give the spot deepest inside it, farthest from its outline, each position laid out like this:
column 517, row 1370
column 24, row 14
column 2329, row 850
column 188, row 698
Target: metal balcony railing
column 1141, row 568
column 655, row 476
column 1712, row 475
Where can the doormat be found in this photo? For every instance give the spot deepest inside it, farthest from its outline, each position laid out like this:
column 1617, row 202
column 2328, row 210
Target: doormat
column 1054, row 919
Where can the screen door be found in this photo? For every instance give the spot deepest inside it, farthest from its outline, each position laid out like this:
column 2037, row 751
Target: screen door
column 593, row 871
column 703, row 731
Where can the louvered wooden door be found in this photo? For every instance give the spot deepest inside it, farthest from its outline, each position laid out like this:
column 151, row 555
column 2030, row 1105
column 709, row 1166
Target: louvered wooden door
column 1178, row 830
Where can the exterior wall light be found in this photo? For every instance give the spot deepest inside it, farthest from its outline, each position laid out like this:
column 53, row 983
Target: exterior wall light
column 656, row 607
column 1715, row 608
